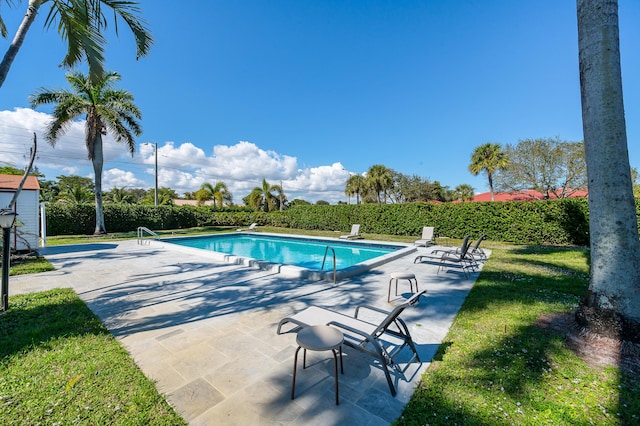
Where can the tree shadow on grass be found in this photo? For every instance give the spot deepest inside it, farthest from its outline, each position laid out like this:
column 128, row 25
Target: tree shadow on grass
column 520, row 369
column 37, row 318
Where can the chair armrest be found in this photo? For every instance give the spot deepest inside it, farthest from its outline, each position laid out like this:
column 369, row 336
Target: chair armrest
column 371, row 308
column 351, row 329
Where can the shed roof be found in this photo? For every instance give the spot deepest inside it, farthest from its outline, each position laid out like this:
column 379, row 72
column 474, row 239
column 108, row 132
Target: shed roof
column 11, row 182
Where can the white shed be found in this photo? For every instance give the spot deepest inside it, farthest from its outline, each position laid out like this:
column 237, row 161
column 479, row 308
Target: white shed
column 27, row 207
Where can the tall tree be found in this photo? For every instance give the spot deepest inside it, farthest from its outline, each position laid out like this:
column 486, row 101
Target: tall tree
column 106, row 110
column 355, row 186
column 379, row 179
column 81, row 24
column 488, row 158
column 266, row 197
column 218, row 193
column 548, row 165
column 612, row 305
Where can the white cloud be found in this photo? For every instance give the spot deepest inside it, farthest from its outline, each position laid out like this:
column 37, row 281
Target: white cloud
column 67, row 156
column 116, row 178
column 183, row 167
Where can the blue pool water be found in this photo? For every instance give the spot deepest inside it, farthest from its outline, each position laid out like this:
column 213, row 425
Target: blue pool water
column 302, row 252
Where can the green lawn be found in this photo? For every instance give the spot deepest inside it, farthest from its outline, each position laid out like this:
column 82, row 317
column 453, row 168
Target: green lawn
column 495, row 367
column 59, row 365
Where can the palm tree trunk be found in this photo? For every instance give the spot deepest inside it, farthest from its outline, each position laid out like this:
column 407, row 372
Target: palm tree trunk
column 490, row 177
column 18, row 39
column 612, row 306
column 98, row 162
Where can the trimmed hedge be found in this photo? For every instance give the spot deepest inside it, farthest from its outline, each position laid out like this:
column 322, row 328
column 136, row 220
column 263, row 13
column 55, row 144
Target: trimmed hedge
column 564, row 221
column 70, row 219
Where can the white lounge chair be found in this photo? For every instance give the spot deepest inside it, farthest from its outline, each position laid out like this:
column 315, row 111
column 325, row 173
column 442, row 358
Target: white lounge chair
column 355, row 233
column 427, row 237
column 250, row 228
column 383, row 340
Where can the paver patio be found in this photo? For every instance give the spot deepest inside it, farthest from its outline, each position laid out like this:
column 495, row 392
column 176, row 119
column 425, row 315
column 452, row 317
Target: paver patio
column 205, row 330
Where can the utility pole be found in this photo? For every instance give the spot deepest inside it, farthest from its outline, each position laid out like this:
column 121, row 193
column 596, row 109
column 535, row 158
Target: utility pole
column 155, row 149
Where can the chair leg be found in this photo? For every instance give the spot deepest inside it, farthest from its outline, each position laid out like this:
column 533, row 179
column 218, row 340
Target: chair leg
column 293, row 381
column 411, row 285
column 335, row 371
column 389, row 294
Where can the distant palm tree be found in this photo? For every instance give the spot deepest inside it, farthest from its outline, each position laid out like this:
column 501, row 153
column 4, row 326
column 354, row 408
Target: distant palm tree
column 263, row 197
column 379, row 179
column 121, row 196
column 463, row 192
column 488, row 158
column 165, row 197
column 218, row 193
column 76, row 195
column 80, row 24
column 356, row 185
column 105, row 110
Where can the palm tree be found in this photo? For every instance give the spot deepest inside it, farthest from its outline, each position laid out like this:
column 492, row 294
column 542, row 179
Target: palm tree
column 80, row 24
column 218, row 193
column 165, row 197
column 105, row 109
column 263, row 198
column 612, row 304
column 76, row 195
column 121, row 196
column 355, row 186
column 379, row 179
column 463, row 192
column 488, row 158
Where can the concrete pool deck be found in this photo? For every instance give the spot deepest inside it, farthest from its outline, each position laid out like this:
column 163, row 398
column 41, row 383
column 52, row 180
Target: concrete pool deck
column 205, row 330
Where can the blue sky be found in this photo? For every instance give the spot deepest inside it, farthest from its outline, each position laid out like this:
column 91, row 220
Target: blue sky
column 304, row 93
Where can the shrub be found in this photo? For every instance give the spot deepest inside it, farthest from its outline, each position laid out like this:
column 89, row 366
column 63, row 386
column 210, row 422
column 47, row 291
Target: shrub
column 564, row 221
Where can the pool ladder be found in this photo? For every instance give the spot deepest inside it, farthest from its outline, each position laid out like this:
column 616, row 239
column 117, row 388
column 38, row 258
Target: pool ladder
column 326, row 250
column 141, row 231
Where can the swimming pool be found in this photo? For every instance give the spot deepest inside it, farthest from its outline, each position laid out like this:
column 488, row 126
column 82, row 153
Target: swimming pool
column 303, row 255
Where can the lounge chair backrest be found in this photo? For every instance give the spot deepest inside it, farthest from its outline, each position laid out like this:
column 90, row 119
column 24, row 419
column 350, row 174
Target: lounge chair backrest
column 427, row 233
column 355, row 229
column 477, row 244
column 395, row 313
column 464, row 247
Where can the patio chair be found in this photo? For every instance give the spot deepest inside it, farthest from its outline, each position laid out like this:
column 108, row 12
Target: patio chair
column 383, row 340
column 250, row 228
column 355, row 233
column 458, row 256
column 427, row 237
column 475, row 251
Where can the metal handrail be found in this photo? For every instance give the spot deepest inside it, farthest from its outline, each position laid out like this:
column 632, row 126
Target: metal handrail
column 326, row 250
column 141, row 231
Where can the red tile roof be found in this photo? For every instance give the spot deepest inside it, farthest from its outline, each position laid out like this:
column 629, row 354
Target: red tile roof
column 527, row 195
column 12, row 181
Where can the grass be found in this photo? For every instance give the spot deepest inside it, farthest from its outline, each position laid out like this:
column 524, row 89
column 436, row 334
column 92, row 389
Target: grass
column 59, row 365
column 497, row 367
column 29, row 265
